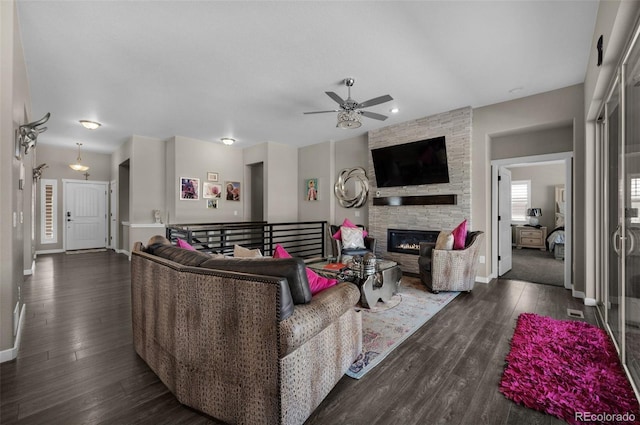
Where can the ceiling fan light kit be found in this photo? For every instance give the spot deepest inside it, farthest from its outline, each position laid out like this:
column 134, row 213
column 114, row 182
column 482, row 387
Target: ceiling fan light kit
column 350, row 112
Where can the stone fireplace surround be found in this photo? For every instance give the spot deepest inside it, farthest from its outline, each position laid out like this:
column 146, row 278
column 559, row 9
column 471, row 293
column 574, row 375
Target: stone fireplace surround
column 456, row 127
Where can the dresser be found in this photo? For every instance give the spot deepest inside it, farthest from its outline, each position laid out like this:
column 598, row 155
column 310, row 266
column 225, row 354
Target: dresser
column 531, row 237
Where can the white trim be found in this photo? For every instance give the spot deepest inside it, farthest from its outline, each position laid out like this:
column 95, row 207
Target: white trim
column 11, row 353
column 49, row 251
column 591, row 302
column 125, row 252
column 30, row 271
column 142, row 225
column 483, row 279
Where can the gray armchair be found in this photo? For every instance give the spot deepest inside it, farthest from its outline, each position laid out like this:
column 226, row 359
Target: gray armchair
column 338, row 250
column 450, row 270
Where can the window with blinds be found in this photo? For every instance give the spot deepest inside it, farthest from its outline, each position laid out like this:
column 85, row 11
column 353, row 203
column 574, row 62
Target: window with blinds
column 634, row 190
column 520, row 200
column 48, row 207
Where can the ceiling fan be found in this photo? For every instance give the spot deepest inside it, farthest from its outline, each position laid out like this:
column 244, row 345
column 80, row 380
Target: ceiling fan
column 351, row 111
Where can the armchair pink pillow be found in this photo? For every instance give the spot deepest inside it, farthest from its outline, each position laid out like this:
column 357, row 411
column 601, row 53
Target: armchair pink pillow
column 347, row 223
column 460, row 235
column 317, row 283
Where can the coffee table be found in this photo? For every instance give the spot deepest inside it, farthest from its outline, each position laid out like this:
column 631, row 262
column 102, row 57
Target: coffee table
column 380, row 284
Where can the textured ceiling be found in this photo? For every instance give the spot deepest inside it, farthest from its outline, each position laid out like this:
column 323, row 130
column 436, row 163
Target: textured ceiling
column 248, row 70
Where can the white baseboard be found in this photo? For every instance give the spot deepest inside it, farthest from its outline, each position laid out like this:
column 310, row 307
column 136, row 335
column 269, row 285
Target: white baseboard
column 32, row 270
column 49, row 251
column 125, row 252
column 483, row 279
column 11, row 353
column 591, row 302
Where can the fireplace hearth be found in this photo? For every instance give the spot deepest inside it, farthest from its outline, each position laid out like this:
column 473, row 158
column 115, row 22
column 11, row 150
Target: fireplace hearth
column 408, row 241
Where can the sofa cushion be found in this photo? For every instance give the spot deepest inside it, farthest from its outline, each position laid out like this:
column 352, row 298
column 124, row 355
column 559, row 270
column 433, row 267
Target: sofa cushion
column 337, row 235
column 184, row 245
column 309, row 320
column 291, row 268
column 317, row 283
column 179, row 255
column 444, row 241
column 242, row 252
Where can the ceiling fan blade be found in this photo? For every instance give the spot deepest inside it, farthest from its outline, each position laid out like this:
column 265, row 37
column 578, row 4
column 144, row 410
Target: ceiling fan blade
column 321, row 112
column 335, row 97
column 373, row 115
column 374, row 101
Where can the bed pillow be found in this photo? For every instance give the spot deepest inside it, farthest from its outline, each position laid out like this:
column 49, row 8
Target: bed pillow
column 460, row 235
column 346, row 222
column 444, row 241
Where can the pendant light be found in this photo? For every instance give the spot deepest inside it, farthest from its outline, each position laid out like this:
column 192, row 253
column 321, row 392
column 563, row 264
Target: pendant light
column 78, row 165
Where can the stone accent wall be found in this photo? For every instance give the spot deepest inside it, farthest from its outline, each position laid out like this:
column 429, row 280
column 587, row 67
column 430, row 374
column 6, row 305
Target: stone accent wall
column 456, row 127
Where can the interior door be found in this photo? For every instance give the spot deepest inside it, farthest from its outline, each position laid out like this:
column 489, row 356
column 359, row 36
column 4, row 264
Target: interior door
column 504, row 221
column 85, row 215
column 113, row 214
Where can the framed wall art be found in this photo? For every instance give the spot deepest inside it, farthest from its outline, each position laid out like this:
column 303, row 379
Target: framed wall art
column 232, row 191
column 212, row 177
column 311, row 189
column 189, row 189
column 211, row 190
column 212, row 204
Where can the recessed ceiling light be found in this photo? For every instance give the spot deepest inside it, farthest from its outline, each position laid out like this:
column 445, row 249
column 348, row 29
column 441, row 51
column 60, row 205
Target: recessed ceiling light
column 91, row 125
column 394, row 110
column 228, row 141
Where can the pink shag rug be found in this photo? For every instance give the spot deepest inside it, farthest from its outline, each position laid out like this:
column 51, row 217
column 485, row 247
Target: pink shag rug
column 568, row 369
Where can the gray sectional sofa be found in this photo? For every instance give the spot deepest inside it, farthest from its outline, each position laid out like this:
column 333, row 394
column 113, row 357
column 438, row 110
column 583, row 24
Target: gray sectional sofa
column 241, row 339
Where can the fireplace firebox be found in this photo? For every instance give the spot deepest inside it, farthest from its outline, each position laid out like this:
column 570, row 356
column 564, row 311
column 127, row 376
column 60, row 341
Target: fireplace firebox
column 408, row 241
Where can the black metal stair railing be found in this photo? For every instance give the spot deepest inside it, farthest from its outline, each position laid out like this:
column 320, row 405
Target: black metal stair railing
column 301, row 239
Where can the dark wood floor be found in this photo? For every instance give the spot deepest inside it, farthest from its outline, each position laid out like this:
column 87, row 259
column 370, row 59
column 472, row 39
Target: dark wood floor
column 76, row 363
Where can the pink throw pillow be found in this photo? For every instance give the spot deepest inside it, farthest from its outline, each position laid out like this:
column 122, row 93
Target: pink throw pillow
column 280, row 252
column 460, row 235
column 338, row 235
column 185, row 245
column 317, row 283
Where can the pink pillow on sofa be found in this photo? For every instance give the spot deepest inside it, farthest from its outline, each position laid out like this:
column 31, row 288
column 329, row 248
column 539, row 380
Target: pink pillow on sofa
column 185, row 245
column 317, row 283
column 460, row 235
column 338, row 235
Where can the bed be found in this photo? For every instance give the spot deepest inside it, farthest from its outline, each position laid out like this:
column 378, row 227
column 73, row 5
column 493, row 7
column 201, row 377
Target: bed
column 556, row 239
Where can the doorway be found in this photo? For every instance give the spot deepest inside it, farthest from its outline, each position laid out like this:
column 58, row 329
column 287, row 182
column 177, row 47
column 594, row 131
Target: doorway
column 256, row 196
column 85, row 214
column 527, row 244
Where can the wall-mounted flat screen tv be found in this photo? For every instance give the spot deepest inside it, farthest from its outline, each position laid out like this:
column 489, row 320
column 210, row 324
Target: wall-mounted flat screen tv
column 410, row 164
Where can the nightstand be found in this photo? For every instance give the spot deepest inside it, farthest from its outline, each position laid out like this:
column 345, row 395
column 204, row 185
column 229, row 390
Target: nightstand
column 531, row 237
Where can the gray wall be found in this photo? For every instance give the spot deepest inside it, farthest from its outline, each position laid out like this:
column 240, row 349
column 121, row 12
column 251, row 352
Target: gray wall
column 351, row 153
column 534, row 141
column 545, row 110
column 544, row 179
column 281, row 183
column 15, row 109
column 316, row 161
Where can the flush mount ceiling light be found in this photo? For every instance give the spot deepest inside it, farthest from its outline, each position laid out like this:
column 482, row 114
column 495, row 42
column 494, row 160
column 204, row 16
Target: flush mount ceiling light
column 91, row 125
column 394, row 110
column 349, row 119
column 228, row 141
column 78, row 164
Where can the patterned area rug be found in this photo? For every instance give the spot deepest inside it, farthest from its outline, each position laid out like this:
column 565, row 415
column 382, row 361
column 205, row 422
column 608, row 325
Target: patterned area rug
column 386, row 325
column 568, row 369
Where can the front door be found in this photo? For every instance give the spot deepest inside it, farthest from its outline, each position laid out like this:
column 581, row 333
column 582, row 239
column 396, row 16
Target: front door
column 85, row 215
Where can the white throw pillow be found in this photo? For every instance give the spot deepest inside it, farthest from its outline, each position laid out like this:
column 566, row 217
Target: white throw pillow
column 444, row 241
column 351, row 238
column 242, row 252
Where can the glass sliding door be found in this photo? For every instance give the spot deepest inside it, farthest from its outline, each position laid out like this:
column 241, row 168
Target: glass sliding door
column 631, row 284
column 615, row 230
